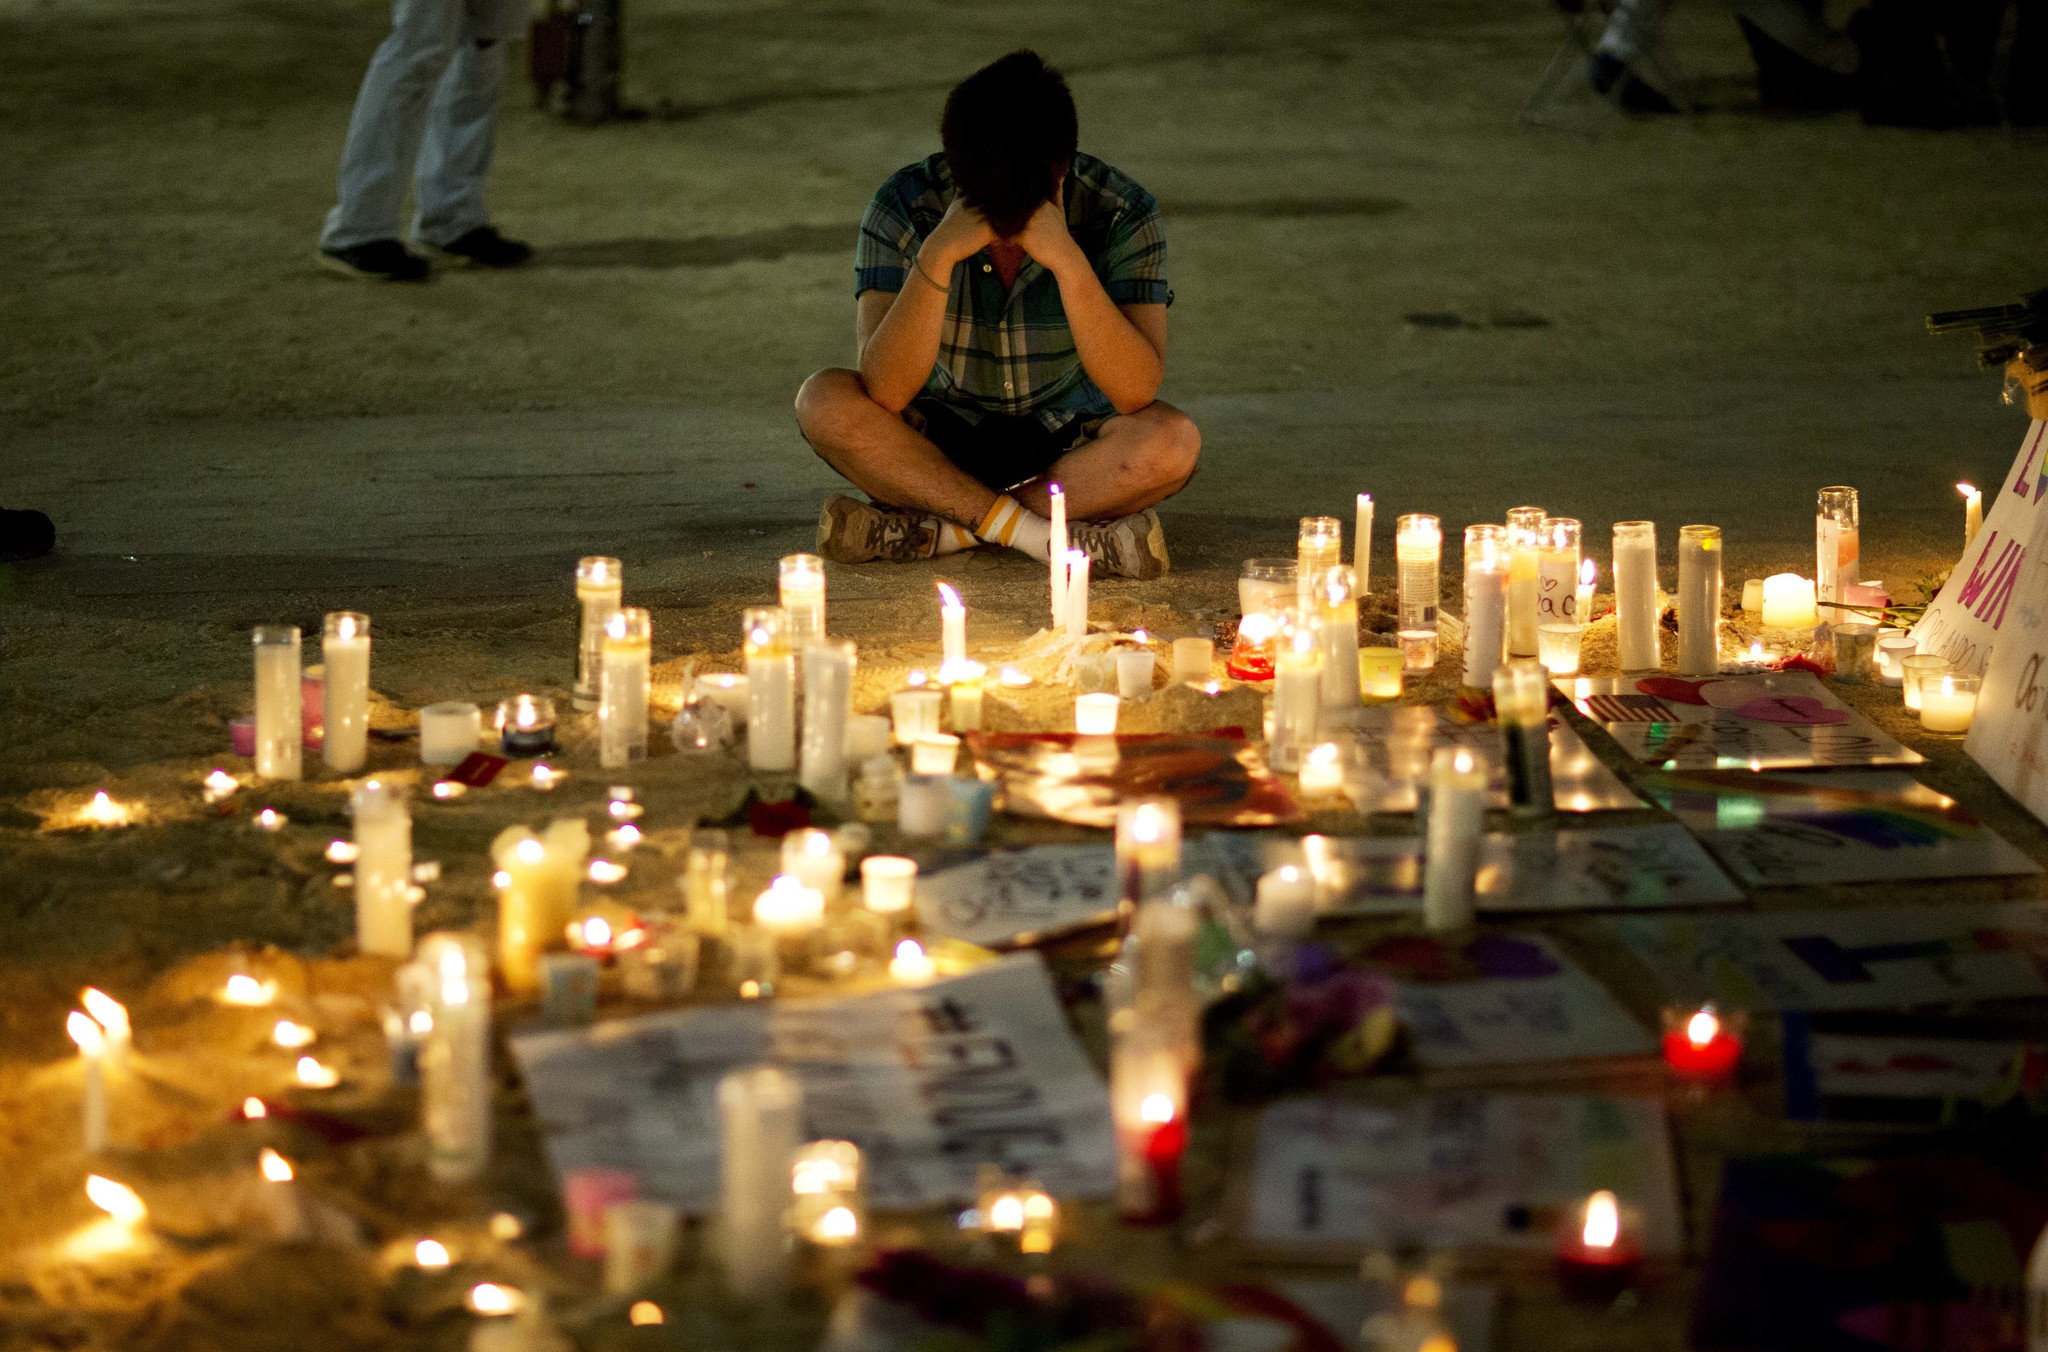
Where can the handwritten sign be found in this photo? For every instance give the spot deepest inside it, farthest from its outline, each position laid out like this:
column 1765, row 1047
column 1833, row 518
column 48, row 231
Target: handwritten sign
column 930, row 1082
column 1978, row 598
column 1664, row 732
column 1508, row 999
column 2009, row 735
column 1455, row 1170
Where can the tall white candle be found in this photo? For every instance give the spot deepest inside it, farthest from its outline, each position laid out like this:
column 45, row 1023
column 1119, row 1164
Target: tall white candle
column 1318, row 546
column 1418, row 555
column 1973, row 512
column 1524, row 559
column 1077, row 595
column 1361, row 549
column 1147, row 850
column 345, row 648
column 455, row 1061
column 1337, row 616
column 1057, row 554
column 1457, row 816
column 771, row 690
column 704, row 881
column 537, row 881
column 1635, row 595
column 952, row 631
column 92, row 1058
column 1486, row 601
column 279, row 734
column 802, row 594
column 1699, row 600
column 383, row 868
column 624, row 686
column 760, row 1127
column 598, row 587
column 1557, row 573
column 828, row 704
column 1837, row 544
column 1297, row 689
column 1521, row 702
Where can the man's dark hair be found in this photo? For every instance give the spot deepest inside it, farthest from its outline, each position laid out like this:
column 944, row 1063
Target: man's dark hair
column 1008, row 131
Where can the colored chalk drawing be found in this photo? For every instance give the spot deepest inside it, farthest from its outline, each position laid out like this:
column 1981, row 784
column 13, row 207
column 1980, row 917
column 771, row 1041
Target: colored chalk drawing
column 1980, row 594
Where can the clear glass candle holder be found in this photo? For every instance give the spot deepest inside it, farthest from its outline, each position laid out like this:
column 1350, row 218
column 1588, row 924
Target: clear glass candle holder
column 802, row 593
column 1948, row 702
column 1557, row 647
column 1917, row 669
column 1892, row 651
column 1266, row 586
column 526, row 725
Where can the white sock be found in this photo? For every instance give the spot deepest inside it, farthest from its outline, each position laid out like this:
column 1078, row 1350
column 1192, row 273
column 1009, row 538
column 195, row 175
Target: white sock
column 1009, row 523
column 952, row 539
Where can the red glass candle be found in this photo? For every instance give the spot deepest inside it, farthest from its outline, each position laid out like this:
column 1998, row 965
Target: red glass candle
column 1599, row 1247
column 1251, row 656
column 1702, row 1044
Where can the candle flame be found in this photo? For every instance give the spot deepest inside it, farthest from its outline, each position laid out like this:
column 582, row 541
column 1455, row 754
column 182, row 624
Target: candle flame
column 1323, row 756
column 313, row 1075
column 291, row 1036
column 605, row 871
column 430, row 1253
column 1603, row 1221
column 108, row 1012
column 750, row 989
column 90, row 1037
column 916, row 679
column 1702, row 1028
column 420, row 1022
column 104, row 811
column 1967, row 490
column 269, row 819
column 544, row 778
column 342, row 851
column 1013, row 676
column 645, row 1313
column 491, row 1298
column 529, row 851
column 221, row 783
column 1156, row 1109
column 1257, row 626
column 597, row 932
column 1948, row 685
column 1006, row 1212
column 276, row 1168
column 909, row 950
column 116, row 1199
column 1038, row 1207
column 1462, row 762
column 506, row 1227
column 247, row 991
column 254, row 1109
column 615, row 627
column 949, row 598
column 838, row 1226
column 1588, row 570
column 625, row 837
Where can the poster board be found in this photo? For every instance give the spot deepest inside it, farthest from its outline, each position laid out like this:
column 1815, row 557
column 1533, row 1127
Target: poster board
column 929, row 1081
column 1663, row 731
column 1395, row 743
column 2009, row 735
column 1977, row 601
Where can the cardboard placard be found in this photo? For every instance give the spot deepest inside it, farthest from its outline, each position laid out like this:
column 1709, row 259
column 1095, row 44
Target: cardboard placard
column 2009, row 734
column 1702, row 736
column 1396, row 741
column 1976, row 603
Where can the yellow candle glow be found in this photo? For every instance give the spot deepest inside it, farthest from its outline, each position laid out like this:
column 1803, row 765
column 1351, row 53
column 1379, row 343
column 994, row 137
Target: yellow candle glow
column 644, row 1314
column 218, row 785
column 104, row 811
column 275, row 1167
column 248, row 992
column 1379, row 672
column 788, row 907
column 118, row 1200
column 291, row 1036
column 911, row 962
column 430, row 1253
column 313, row 1075
column 1789, row 602
column 1322, row 771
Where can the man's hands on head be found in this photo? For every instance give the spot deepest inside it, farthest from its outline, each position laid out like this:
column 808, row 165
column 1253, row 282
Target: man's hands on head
column 1045, row 236
column 959, row 235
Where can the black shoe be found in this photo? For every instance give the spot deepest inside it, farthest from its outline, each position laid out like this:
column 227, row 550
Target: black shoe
column 25, row 535
column 1613, row 79
column 484, row 247
column 381, row 260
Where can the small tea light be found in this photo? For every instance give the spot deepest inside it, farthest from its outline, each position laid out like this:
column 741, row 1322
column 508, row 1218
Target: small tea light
column 1702, row 1044
column 1134, row 668
column 624, row 837
column 591, row 934
column 1950, row 703
column 445, row 789
column 254, row 1109
column 248, row 992
column 526, row 725
column 604, row 872
column 1095, row 714
column 430, row 1254
column 788, row 907
column 291, row 1036
column 911, row 962
column 493, row 1299
column 813, row 858
column 728, row 691
column 1379, row 672
column 545, row 779
column 1892, row 651
column 313, row 1075
column 1418, row 649
column 342, row 852
column 644, row 1314
column 1599, row 1247
column 104, row 811
column 218, row 786
column 934, row 753
column 888, row 883
column 506, row 1227
column 1753, row 596
column 270, row 819
column 449, row 732
column 1322, row 770
column 1557, row 647
column 624, row 809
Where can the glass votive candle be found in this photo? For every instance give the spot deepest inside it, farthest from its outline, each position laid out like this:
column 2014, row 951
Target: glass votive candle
column 526, row 725
column 1948, row 702
column 916, row 712
column 888, row 883
column 728, row 690
column 1702, row 1043
column 1134, row 668
column 1379, row 672
column 1855, row 652
column 1266, row 586
column 1418, row 649
column 934, row 754
column 1915, row 670
column 449, row 732
column 964, row 695
column 1599, row 1247
column 1095, row 714
column 814, row 859
column 1892, row 650
column 1192, row 659
column 1251, row 656
column 1322, row 770
column 1557, row 647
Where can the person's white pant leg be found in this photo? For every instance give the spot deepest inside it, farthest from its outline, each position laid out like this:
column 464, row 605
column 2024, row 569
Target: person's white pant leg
column 390, row 114
column 462, row 126
column 1632, row 29
column 1796, row 28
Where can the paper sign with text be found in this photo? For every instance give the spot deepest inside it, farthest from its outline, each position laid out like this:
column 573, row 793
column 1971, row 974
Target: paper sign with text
column 2009, row 734
column 1976, row 603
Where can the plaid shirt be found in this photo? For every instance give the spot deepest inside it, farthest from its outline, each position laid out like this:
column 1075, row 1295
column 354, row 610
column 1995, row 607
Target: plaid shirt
column 1011, row 352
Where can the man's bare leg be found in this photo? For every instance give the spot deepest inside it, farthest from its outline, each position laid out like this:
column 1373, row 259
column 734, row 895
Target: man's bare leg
column 1137, row 460
column 881, row 455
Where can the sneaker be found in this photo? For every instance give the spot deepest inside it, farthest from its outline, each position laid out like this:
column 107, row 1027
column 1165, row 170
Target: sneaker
column 852, row 531
column 484, row 247
column 25, row 535
column 381, row 260
column 1134, row 546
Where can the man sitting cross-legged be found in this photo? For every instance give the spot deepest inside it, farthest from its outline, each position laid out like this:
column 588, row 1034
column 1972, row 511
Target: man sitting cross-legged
column 1012, row 335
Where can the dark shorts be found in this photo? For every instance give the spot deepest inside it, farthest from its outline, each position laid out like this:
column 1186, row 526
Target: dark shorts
column 999, row 451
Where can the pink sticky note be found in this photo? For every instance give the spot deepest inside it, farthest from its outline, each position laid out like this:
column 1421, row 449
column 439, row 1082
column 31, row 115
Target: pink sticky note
column 1801, row 709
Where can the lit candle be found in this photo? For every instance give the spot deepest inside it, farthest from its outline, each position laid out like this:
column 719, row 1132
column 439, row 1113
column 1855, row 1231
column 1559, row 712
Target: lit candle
column 952, row 630
column 911, row 965
column 1836, row 543
column 728, row 691
column 1486, row 594
column 888, row 883
column 1192, row 660
column 1973, row 512
column 345, row 648
column 112, row 1017
column 247, row 992
column 825, row 1185
column 1147, row 850
column 455, row 1062
column 1379, row 672
column 1148, row 1106
column 448, row 731
column 505, row 1320
column 1699, row 600
column 1521, row 700
column 1753, row 597
column 704, row 881
column 1948, row 704
column 828, row 705
column 104, row 811
column 1077, row 595
column 279, row 732
column 1635, row 596
column 537, row 882
column 771, row 689
column 383, row 868
column 1700, row 1045
column 1916, row 671
column 526, row 725
column 279, row 1202
column 1361, row 549
column 934, row 754
column 1789, row 602
column 1337, row 617
column 624, row 687
column 1297, row 688
column 1598, row 1248
column 1134, row 668
column 1589, row 575
column 1892, row 650
column 788, row 908
column 1457, row 816
column 219, row 786
column 1418, row 552
column 1286, row 903
column 1056, row 554
column 760, row 1124
column 1524, row 546
column 1095, row 714
column 915, row 712
column 311, row 1074
column 431, row 1254
column 118, row 1200
column 814, row 859
column 1322, row 770
column 92, row 1057
column 1557, row 573
column 1318, row 547
column 598, row 587
column 1558, row 645
column 802, row 596
column 292, row 1036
